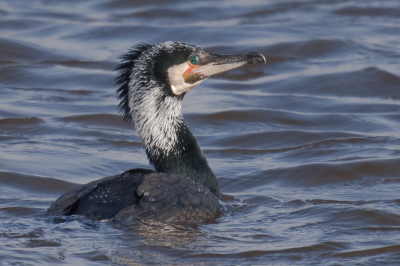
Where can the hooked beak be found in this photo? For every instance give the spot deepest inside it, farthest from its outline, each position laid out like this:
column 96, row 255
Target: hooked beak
column 214, row 64
column 185, row 76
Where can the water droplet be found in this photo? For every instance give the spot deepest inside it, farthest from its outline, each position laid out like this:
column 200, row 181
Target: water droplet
column 146, row 193
column 151, row 199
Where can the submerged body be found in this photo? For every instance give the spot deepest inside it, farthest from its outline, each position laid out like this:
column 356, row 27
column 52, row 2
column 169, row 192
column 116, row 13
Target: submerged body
column 153, row 81
column 139, row 193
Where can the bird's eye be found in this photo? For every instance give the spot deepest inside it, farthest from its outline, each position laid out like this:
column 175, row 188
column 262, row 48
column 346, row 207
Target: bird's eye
column 193, row 60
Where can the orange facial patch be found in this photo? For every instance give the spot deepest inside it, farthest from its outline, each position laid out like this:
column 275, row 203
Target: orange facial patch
column 190, row 69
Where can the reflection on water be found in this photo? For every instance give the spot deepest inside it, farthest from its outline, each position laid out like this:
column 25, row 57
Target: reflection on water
column 306, row 148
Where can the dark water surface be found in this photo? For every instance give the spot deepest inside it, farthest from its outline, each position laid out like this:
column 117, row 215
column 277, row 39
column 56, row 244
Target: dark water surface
column 306, row 148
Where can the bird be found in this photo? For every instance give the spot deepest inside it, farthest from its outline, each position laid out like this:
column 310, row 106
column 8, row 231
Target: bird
column 153, row 80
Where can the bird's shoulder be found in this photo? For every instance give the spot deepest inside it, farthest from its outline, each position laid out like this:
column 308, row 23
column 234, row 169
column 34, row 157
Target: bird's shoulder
column 171, row 198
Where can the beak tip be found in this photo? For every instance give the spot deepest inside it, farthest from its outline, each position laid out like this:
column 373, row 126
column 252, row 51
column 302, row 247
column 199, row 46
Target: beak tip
column 256, row 58
column 263, row 57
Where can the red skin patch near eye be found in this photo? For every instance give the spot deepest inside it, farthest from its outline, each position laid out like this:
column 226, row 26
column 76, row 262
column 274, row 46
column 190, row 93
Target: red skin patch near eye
column 190, row 69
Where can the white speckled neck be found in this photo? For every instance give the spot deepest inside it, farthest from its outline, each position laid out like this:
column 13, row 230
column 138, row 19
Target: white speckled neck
column 155, row 116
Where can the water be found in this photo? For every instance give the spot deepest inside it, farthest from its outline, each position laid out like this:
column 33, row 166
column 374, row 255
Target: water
column 306, row 148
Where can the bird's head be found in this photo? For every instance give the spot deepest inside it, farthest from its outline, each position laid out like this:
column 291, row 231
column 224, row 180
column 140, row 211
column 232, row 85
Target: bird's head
column 171, row 68
column 194, row 65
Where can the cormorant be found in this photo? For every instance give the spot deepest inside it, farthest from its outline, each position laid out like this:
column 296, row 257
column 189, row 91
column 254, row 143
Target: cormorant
column 153, row 80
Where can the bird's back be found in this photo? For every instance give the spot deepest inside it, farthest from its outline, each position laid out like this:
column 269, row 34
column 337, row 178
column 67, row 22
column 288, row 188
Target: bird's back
column 139, row 193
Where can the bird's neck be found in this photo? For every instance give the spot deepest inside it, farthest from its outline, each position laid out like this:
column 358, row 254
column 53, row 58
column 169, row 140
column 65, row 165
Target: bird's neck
column 186, row 159
column 172, row 148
